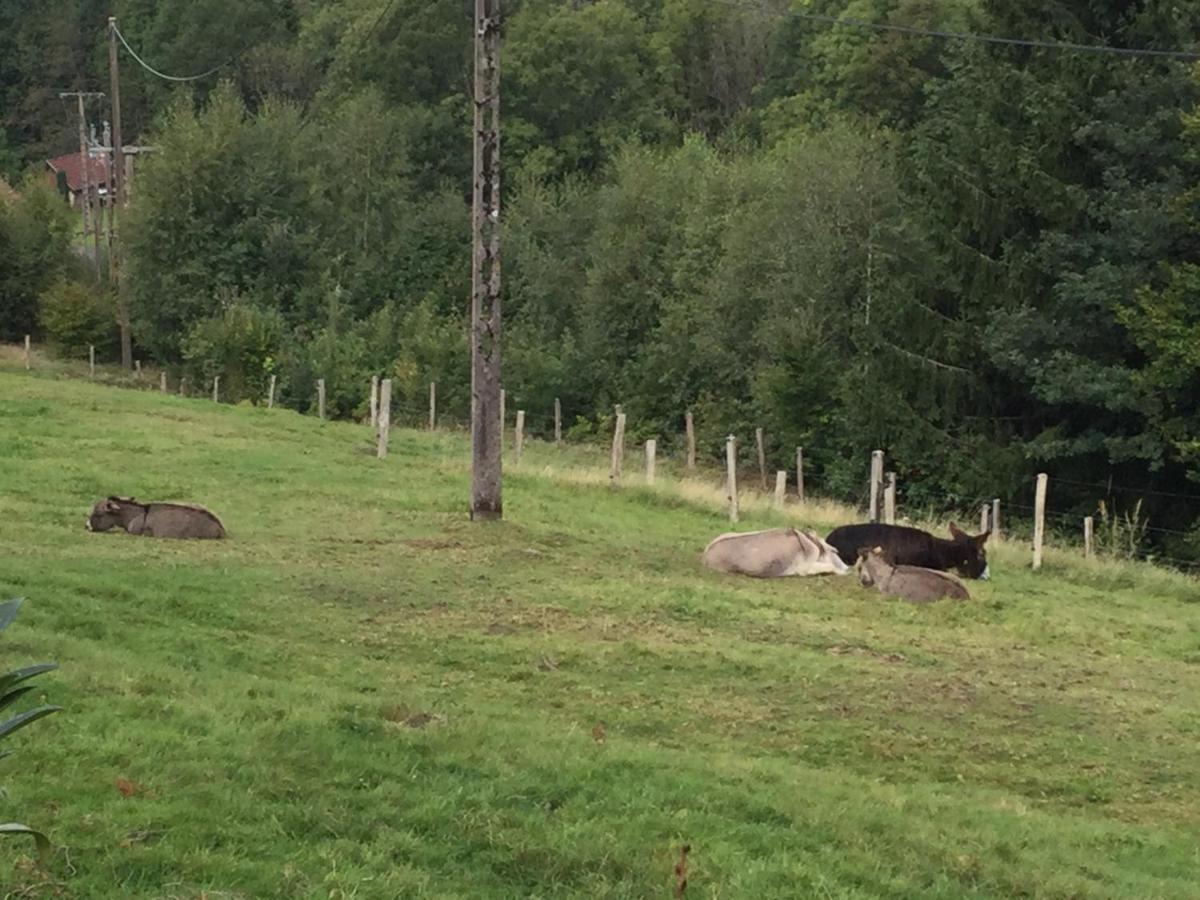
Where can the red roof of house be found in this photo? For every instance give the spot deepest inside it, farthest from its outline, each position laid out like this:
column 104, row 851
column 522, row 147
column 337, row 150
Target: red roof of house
column 71, row 165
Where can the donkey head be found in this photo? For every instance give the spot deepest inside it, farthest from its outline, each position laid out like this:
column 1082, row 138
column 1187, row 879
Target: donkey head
column 971, row 557
column 110, row 512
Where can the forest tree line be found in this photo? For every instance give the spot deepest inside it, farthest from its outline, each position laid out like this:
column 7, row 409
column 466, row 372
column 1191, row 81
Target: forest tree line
column 983, row 259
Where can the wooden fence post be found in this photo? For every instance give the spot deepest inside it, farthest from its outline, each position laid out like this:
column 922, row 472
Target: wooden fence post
column 271, row 394
column 162, row 381
column 780, row 488
column 984, row 516
column 618, row 451
column 137, row 369
column 731, row 476
column 889, row 499
column 26, row 353
column 320, row 398
column 92, row 361
column 1039, row 519
column 432, row 405
column 216, row 388
column 374, row 401
column 1088, row 549
column 996, row 519
column 651, row 454
column 519, row 438
column 762, row 458
column 800, row 474
column 876, row 483
column 183, row 386
column 557, row 423
column 384, row 421
column 690, row 427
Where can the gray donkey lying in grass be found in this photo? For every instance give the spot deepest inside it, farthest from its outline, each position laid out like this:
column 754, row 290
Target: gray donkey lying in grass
column 164, row 520
column 912, row 583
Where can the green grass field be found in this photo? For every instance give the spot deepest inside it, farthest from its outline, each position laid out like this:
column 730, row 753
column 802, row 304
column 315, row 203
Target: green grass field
column 362, row 694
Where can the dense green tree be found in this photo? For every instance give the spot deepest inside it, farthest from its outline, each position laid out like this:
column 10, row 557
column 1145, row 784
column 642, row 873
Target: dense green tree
column 230, row 191
column 580, row 80
column 981, row 258
column 1047, row 234
column 35, row 237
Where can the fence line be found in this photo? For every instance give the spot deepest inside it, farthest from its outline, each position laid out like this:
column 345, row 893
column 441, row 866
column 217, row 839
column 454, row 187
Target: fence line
column 881, row 495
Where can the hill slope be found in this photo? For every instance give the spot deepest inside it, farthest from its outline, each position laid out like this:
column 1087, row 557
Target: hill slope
column 363, row 694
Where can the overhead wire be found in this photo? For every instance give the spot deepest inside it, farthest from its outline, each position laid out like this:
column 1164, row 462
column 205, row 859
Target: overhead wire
column 177, row 78
column 1128, row 490
column 846, row 21
column 370, row 31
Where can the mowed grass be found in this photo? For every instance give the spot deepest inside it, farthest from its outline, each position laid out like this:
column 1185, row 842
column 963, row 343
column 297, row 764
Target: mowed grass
column 363, row 694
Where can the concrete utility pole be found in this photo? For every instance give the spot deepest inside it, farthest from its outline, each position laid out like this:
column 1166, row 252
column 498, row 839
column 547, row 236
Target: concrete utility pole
column 115, row 194
column 486, row 434
column 85, row 168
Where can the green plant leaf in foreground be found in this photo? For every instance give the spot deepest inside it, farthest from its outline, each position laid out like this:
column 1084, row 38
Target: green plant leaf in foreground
column 18, row 722
column 9, row 610
column 42, row 842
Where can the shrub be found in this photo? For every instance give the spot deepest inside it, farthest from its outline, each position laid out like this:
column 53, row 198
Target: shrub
column 240, row 344
column 74, row 316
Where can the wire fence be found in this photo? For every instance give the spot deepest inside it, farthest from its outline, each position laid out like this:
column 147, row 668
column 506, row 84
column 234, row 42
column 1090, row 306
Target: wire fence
column 414, row 409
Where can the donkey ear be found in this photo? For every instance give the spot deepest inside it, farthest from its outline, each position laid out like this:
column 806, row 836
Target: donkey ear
column 957, row 533
column 981, row 539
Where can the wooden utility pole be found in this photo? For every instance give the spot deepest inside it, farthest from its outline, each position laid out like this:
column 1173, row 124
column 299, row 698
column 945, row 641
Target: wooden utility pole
column 85, row 169
column 557, row 423
column 486, row 437
column 800, row 474
column 91, row 217
column 115, row 193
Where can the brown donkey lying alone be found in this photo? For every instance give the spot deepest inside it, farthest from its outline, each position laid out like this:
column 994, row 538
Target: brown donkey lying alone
column 911, row 583
column 164, row 520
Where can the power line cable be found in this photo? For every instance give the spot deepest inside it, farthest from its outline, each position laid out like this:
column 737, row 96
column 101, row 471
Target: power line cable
column 967, row 36
column 1128, row 490
column 370, row 31
column 153, row 71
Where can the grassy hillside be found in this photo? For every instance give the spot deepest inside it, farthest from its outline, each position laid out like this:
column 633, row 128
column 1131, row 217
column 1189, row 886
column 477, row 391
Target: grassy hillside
column 362, row 694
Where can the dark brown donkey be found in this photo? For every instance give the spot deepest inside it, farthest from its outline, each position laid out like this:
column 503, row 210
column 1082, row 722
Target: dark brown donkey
column 904, row 546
